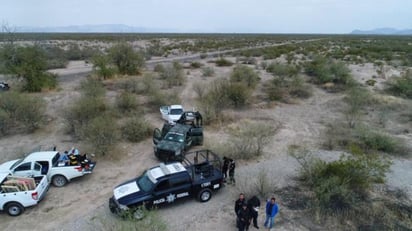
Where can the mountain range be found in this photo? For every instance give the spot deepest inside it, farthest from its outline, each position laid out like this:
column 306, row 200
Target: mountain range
column 383, row 31
column 121, row 28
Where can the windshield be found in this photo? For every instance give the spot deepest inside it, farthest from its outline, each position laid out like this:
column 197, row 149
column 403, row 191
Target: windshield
column 145, row 183
column 176, row 111
column 15, row 164
column 175, row 137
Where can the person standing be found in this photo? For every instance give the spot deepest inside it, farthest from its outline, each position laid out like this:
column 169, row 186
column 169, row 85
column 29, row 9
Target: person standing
column 243, row 217
column 232, row 167
column 253, row 206
column 239, row 202
column 225, row 167
column 271, row 211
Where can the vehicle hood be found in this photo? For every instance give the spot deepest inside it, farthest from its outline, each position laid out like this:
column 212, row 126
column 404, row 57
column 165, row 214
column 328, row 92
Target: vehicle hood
column 5, row 167
column 125, row 189
column 129, row 193
column 170, row 145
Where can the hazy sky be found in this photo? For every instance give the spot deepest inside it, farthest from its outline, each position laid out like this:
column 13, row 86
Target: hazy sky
column 262, row 16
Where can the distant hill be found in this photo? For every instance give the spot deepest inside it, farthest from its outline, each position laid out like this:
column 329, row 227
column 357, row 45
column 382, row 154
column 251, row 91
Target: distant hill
column 384, row 31
column 103, row 28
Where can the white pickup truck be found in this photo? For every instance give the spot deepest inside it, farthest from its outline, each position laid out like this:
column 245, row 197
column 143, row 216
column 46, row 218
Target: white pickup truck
column 171, row 113
column 17, row 193
column 48, row 163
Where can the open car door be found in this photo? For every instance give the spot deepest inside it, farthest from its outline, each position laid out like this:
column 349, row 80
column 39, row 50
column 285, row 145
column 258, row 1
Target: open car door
column 164, row 111
column 157, row 136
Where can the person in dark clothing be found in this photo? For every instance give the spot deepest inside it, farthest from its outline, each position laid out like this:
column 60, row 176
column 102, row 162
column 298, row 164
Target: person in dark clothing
column 225, row 167
column 239, row 202
column 232, row 167
column 253, row 206
column 243, row 218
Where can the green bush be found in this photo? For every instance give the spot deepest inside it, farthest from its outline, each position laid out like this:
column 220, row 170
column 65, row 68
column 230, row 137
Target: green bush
column 126, row 102
column 173, row 75
column 339, row 186
column 238, row 94
column 127, row 61
column 327, row 71
column 195, row 65
column 136, row 129
column 222, row 62
column 401, row 86
column 28, row 63
column 159, row 98
column 101, row 133
column 92, row 88
column 102, row 66
column 376, row 141
column 208, row 72
column 246, row 75
column 357, row 99
column 285, row 88
column 248, row 139
column 20, row 112
column 282, row 70
column 159, row 68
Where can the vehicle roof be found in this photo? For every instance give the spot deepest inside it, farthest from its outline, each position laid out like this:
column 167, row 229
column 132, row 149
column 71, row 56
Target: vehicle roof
column 180, row 128
column 176, row 106
column 40, row 155
column 166, row 169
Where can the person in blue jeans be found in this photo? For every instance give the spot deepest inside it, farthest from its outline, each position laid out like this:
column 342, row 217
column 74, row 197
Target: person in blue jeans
column 271, row 211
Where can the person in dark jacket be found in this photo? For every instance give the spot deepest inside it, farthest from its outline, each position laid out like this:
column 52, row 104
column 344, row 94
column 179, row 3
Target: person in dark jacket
column 232, row 167
column 225, row 167
column 243, row 217
column 253, row 206
column 239, row 202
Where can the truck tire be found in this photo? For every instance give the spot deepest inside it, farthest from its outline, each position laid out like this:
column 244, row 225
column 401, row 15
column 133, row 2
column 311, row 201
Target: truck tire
column 14, row 209
column 204, row 195
column 59, row 180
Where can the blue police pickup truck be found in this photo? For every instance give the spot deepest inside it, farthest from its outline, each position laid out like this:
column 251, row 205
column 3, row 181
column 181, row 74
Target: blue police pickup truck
column 198, row 175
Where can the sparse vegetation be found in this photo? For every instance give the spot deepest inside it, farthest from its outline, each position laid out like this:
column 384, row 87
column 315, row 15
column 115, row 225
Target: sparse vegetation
column 126, row 59
column 222, row 62
column 246, row 75
column 173, row 75
column 20, row 113
column 401, row 86
column 136, row 130
column 208, row 71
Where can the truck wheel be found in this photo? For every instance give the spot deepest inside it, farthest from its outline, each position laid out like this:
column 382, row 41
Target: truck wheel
column 204, row 195
column 59, row 181
column 14, row 209
column 138, row 214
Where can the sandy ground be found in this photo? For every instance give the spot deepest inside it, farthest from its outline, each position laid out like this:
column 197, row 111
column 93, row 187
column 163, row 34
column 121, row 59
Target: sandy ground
column 83, row 202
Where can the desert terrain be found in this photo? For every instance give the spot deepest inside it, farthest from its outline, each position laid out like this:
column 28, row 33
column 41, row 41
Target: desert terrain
column 83, row 203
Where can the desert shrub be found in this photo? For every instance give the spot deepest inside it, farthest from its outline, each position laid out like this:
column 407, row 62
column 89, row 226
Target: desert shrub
column 238, row 94
column 173, row 75
column 356, row 98
column 215, row 100
column 126, row 102
column 282, row 70
column 20, row 112
column 370, row 141
column 92, row 88
column 222, row 62
column 248, row 139
column 159, row 68
column 158, row 98
column 195, row 65
column 101, row 133
column 151, row 221
column 145, row 85
column 81, row 112
column 136, row 129
column 28, row 63
column 327, row 71
column 285, row 88
column 259, row 184
column 339, row 186
column 127, row 61
column 102, row 66
column 203, row 55
column 199, row 89
column 401, row 86
column 208, row 71
column 246, row 75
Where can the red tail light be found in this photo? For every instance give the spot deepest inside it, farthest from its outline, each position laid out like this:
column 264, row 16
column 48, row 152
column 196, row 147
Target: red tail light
column 79, row 168
column 35, row 196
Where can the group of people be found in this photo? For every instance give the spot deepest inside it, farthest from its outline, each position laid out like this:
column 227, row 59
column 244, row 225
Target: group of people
column 247, row 211
column 229, row 165
column 73, row 157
